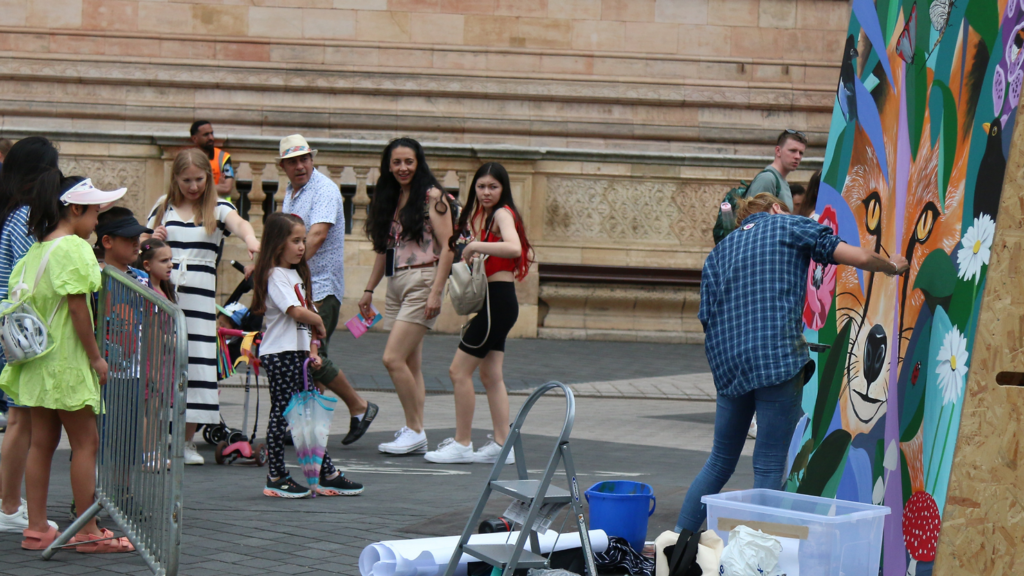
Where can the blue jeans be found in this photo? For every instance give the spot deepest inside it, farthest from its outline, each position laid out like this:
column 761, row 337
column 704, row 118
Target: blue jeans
column 778, row 411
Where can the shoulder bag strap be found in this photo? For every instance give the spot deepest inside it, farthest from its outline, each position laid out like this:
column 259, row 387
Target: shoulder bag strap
column 43, row 263
column 754, row 179
column 487, row 305
column 39, row 276
column 15, row 294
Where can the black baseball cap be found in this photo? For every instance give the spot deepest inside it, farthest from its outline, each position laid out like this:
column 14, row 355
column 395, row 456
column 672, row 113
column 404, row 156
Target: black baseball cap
column 126, row 227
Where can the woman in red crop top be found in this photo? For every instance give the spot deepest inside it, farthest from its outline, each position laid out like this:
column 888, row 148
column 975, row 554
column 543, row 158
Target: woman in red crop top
column 496, row 232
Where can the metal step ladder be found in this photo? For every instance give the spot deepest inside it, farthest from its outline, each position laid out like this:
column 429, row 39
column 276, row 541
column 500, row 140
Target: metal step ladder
column 509, row 557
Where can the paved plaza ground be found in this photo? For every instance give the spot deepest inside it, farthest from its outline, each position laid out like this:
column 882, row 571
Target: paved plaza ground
column 643, row 413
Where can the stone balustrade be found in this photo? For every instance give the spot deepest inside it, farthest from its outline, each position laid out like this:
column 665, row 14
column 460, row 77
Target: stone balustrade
column 588, row 207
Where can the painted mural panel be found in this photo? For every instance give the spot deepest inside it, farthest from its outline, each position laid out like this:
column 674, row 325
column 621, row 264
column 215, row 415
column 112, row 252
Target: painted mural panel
column 925, row 106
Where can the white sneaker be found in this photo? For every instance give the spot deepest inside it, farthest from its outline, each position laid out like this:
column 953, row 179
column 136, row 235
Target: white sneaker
column 18, row 521
column 406, row 442
column 192, row 456
column 451, row 452
column 489, row 453
column 752, row 431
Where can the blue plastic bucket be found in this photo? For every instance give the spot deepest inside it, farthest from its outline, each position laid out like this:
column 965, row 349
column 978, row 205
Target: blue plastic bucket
column 621, row 508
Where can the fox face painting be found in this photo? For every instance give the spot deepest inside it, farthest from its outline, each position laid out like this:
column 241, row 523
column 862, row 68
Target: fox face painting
column 924, row 112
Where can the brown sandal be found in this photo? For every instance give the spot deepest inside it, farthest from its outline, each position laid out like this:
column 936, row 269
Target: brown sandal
column 38, row 540
column 103, row 544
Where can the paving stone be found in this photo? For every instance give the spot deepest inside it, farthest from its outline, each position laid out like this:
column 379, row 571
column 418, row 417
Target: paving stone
column 230, row 557
column 28, row 570
column 294, row 569
column 259, row 563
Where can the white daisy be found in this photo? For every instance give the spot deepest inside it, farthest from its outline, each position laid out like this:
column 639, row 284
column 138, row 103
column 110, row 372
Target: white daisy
column 976, row 247
column 952, row 366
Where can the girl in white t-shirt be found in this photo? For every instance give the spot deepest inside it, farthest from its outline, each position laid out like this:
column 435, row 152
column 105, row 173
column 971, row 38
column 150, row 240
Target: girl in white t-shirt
column 282, row 284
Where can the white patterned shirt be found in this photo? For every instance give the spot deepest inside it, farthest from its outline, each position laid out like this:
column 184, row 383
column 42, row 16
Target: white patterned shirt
column 319, row 201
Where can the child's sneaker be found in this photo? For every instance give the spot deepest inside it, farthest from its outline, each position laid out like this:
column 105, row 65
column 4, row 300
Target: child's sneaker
column 338, row 486
column 285, row 488
column 192, row 455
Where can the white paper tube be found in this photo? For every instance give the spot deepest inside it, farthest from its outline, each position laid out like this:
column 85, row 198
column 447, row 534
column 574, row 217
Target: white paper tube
column 429, row 556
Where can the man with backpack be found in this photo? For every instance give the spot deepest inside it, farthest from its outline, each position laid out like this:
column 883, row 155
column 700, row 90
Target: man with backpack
column 317, row 200
column 789, row 151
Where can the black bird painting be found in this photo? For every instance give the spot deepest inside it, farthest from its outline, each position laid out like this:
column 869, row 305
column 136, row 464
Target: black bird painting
column 847, row 77
column 989, row 184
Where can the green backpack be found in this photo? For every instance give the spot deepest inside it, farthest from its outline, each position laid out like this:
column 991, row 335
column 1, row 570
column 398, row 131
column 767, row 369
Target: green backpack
column 725, row 224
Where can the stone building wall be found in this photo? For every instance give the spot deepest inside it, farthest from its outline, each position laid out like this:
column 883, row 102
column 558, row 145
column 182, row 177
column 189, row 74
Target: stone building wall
column 673, row 75
column 698, row 88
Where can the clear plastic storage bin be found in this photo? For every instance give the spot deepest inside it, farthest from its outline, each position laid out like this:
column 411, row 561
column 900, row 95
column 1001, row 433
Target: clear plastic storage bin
column 819, row 536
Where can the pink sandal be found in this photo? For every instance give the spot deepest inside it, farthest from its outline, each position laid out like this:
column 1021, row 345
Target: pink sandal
column 103, row 544
column 38, row 540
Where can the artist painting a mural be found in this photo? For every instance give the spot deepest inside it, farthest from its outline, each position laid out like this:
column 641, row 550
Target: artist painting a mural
column 925, row 108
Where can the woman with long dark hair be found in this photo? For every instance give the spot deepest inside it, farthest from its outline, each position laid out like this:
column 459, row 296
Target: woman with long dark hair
column 409, row 224
column 497, row 233
column 26, row 161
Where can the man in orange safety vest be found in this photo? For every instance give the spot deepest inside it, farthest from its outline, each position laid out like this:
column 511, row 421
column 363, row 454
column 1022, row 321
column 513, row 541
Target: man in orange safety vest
column 220, row 161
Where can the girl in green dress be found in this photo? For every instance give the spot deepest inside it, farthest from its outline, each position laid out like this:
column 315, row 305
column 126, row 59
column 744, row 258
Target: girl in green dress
column 62, row 387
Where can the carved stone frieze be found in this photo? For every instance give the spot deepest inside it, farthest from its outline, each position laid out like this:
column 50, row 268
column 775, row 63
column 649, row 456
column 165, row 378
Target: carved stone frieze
column 698, row 207
column 111, row 175
column 630, row 210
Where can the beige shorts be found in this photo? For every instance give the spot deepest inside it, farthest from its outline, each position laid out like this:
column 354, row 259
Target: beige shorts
column 407, row 295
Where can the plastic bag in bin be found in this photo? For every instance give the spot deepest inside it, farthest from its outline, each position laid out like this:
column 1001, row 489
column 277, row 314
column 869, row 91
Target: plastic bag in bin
column 750, row 552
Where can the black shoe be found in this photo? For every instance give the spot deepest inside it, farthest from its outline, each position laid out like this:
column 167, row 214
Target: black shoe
column 285, row 488
column 358, row 427
column 338, row 486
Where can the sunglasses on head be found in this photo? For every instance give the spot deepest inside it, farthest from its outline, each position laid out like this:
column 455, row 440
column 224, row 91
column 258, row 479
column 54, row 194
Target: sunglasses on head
column 796, row 132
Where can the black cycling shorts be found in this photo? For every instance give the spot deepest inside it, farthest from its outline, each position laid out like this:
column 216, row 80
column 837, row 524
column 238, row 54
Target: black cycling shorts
column 504, row 312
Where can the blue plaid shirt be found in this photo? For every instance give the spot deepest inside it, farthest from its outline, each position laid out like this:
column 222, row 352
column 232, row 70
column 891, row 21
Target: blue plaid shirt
column 752, row 296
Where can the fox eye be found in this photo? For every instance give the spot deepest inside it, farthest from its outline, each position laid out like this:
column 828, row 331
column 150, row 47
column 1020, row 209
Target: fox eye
column 873, row 213
column 925, row 222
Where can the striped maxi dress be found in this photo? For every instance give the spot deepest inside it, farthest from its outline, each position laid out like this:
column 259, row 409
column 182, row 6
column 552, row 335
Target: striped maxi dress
column 194, row 253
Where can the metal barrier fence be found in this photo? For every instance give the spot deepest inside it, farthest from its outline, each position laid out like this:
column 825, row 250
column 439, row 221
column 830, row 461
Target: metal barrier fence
column 140, row 462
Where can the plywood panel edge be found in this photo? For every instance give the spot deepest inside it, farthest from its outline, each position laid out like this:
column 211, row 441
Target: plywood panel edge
column 983, row 528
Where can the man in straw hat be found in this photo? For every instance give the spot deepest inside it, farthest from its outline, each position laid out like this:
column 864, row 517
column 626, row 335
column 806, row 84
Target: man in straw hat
column 317, row 200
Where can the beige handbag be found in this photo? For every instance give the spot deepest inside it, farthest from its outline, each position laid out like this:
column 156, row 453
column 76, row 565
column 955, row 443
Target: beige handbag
column 467, row 289
column 467, row 286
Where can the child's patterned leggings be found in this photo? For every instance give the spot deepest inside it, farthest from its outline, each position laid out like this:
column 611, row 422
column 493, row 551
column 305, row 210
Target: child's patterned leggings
column 284, row 371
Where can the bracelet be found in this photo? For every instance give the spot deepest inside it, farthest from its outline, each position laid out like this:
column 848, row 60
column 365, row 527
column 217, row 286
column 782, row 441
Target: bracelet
column 370, row 291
